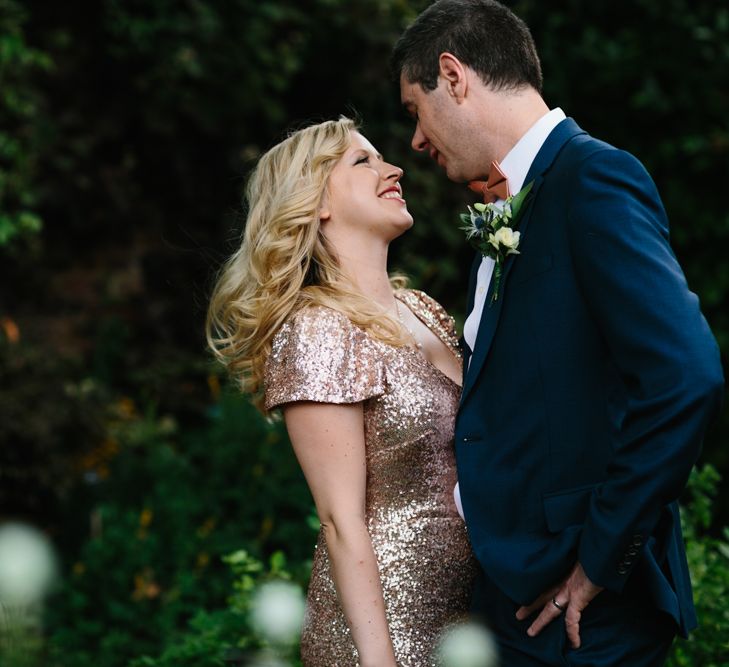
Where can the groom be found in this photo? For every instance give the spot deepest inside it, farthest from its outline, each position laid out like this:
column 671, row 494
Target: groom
column 591, row 373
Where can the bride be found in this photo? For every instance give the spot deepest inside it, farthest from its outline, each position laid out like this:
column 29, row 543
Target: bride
column 367, row 374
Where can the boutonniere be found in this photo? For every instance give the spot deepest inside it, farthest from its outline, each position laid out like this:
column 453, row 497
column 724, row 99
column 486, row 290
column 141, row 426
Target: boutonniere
column 491, row 229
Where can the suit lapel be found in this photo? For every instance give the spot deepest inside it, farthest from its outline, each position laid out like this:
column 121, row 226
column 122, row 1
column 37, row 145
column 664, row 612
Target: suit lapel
column 492, row 309
column 565, row 131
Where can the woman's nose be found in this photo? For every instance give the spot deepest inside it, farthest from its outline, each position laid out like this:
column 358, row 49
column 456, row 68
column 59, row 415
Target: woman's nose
column 392, row 172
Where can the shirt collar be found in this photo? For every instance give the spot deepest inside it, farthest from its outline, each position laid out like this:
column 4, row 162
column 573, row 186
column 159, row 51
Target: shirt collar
column 518, row 160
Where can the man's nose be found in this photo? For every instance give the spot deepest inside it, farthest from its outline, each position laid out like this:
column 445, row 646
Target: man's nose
column 419, row 141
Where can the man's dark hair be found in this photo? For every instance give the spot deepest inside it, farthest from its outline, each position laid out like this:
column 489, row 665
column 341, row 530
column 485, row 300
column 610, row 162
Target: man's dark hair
column 483, row 34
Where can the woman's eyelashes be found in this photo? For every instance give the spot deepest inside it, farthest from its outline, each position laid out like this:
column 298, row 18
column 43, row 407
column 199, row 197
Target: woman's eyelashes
column 363, row 159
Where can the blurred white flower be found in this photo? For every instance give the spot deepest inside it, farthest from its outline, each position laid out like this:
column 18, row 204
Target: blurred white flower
column 27, row 564
column 467, row 645
column 277, row 612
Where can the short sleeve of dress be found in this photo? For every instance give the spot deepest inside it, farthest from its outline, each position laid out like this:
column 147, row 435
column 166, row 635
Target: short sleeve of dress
column 319, row 355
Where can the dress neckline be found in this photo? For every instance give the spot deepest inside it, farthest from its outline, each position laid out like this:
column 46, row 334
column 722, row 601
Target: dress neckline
column 432, row 366
column 447, row 343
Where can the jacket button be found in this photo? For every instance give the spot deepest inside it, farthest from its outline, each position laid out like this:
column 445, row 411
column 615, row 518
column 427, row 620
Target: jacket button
column 622, row 569
column 637, row 540
column 632, row 551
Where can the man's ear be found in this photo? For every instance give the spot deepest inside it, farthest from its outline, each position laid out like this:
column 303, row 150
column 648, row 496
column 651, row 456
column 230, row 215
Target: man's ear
column 454, row 73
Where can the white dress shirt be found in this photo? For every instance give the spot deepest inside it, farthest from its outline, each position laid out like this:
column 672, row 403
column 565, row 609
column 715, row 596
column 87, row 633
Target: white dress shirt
column 515, row 165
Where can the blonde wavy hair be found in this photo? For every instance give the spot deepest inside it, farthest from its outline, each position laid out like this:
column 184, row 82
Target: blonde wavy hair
column 284, row 262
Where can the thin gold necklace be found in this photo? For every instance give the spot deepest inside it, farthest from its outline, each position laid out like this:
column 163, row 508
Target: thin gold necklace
column 418, row 344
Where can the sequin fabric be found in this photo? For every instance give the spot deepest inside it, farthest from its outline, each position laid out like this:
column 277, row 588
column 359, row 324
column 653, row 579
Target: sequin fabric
column 424, row 557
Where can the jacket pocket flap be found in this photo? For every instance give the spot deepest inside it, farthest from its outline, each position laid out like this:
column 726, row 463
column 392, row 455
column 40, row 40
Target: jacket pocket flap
column 567, row 508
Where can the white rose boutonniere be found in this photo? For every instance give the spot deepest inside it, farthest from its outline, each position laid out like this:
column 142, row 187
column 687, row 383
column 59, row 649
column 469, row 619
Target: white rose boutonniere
column 490, row 229
column 505, row 238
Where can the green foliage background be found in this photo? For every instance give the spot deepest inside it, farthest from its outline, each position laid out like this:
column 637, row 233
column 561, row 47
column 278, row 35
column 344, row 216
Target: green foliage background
column 126, row 132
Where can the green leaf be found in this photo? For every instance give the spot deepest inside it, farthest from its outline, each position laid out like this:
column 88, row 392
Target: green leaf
column 520, row 197
column 277, row 562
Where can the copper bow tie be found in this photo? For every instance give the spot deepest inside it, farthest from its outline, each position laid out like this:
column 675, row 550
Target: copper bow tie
column 496, row 187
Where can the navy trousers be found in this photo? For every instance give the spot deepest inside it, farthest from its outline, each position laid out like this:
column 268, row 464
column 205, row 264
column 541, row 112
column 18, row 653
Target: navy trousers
column 615, row 631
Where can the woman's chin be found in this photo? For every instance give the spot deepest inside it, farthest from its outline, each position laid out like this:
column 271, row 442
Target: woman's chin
column 402, row 226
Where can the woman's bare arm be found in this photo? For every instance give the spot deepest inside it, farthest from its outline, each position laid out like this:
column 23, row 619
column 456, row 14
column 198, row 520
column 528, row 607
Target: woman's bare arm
column 329, row 444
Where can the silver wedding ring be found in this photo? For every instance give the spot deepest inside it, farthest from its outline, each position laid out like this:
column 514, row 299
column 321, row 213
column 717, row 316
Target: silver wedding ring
column 557, row 604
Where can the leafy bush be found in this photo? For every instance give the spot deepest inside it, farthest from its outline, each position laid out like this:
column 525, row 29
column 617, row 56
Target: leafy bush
column 708, row 560
column 214, row 637
column 171, row 506
column 21, row 119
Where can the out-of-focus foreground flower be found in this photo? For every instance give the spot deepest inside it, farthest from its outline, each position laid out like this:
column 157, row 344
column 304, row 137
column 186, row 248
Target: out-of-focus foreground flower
column 27, row 565
column 467, row 645
column 277, row 612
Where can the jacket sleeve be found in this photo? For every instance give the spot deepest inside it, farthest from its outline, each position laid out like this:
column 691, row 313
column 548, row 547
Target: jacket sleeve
column 661, row 345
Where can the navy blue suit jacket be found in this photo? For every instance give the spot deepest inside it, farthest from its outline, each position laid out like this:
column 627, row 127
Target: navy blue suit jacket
column 591, row 384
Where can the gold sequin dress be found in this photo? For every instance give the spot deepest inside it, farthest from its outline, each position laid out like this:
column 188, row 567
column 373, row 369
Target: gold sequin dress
column 424, row 557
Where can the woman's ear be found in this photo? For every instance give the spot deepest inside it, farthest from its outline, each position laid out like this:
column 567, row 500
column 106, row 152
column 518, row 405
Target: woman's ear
column 324, row 212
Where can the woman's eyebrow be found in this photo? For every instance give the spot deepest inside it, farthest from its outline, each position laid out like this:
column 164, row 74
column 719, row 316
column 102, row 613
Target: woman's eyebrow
column 367, row 152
